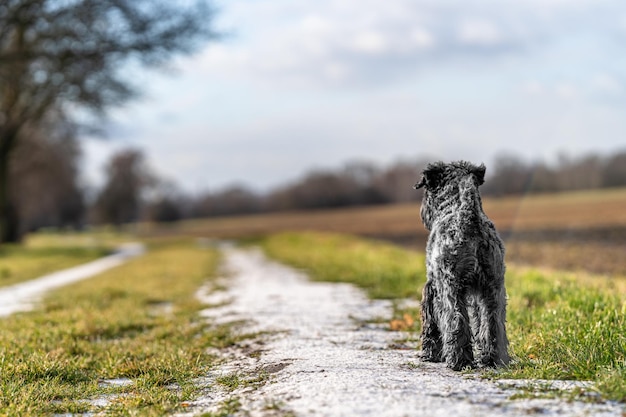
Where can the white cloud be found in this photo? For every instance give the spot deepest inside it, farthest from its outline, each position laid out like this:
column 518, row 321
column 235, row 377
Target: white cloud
column 601, row 86
column 370, row 42
column 304, row 83
column 479, row 32
column 533, row 88
column 316, row 25
column 422, row 38
column 566, row 90
column 293, row 40
column 606, row 84
column 314, row 33
column 335, row 71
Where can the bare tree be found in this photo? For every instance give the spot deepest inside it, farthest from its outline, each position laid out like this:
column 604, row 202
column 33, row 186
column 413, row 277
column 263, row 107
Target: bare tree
column 44, row 177
column 57, row 54
column 396, row 182
column 235, row 199
column 120, row 199
column 511, row 175
column 614, row 174
column 167, row 203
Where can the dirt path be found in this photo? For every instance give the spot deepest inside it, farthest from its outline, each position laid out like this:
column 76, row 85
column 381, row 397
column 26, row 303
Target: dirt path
column 22, row 296
column 324, row 357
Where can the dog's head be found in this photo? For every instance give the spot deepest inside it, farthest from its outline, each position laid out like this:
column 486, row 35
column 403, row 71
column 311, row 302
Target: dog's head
column 444, row 185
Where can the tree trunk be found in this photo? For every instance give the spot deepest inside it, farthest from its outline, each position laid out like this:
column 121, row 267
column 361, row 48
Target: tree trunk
column 4, row 196
column 9, row 218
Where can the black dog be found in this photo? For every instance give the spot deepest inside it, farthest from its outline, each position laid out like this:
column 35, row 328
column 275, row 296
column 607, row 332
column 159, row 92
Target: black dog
column 464, row 299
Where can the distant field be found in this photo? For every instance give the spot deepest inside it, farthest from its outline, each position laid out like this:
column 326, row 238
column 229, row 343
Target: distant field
column 566, row 211
column 579, row 230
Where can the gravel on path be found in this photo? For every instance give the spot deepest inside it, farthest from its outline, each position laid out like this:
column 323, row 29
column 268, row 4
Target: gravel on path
column 323, row 355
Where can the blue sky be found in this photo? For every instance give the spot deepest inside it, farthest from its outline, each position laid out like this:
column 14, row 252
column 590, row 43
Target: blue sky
column 299, row 84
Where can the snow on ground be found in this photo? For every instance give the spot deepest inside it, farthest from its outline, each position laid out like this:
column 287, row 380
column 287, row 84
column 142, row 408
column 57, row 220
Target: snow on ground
column 323, row 355
column 23, row 296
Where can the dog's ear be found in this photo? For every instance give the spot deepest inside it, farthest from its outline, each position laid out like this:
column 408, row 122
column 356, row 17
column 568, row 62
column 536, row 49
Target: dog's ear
column 479, row 173
column 431, row 177
column 420, row 184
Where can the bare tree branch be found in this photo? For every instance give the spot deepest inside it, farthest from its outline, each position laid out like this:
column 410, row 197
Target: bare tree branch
column 59, row 52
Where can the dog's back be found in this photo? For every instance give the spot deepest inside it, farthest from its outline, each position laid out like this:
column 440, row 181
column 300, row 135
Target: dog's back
column 479, row 235
column 459, row 228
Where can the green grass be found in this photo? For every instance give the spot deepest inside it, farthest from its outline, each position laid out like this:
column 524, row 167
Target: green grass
column 102, row 237
column 137, row 321
column 383, row 270
column 227, row 408
column 560, row 326
column 43, row 253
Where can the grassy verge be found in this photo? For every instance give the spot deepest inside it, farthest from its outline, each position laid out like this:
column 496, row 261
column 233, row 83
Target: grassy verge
column 383, row 270
column 43, row 253
column 561, row 326
column 137, row 322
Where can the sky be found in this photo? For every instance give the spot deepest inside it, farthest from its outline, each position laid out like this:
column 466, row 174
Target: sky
column 296, row 85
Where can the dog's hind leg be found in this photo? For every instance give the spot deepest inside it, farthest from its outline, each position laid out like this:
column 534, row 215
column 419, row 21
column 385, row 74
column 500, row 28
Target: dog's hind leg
column 492, row 340
column 431, row 335
column 457, row 335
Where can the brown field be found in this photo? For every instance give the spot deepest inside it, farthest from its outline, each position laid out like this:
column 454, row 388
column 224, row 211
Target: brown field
column 580, row 230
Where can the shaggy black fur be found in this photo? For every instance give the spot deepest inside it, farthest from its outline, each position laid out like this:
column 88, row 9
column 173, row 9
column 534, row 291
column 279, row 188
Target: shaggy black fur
column 464, row 299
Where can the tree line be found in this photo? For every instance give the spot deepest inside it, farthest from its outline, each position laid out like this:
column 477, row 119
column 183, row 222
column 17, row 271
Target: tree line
column 47, row 191
column 363, row 183
column 513, row 175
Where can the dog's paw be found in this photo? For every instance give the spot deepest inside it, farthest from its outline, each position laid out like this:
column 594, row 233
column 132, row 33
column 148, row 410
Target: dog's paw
column 461, row 365
column 427, row 356
column 458, row 361
column 493, row 361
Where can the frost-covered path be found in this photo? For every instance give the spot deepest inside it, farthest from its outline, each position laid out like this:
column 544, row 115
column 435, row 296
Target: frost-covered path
column 23, row 296
column 326, row 358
